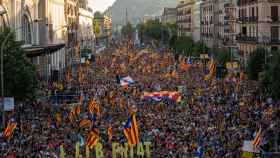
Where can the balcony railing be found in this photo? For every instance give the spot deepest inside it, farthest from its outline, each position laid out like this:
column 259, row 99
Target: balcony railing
column 248, row 19
column 245, row 2
column 243, row 38
column 275, row 19
column 275, row 40
column 229, row 18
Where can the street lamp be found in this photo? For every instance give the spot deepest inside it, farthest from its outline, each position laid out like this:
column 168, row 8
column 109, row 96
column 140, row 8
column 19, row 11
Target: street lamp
column 2, row 67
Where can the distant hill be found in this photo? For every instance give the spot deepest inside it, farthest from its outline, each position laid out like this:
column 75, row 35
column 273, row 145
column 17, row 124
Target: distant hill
column 137, row 9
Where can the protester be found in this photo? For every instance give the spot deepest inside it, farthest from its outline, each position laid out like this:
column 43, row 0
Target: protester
column 212, row 120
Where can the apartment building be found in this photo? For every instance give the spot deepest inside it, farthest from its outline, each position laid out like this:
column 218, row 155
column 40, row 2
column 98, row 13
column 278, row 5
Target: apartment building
column 33, row 23
column 169, row 15
column 258, row 25
column 188, row 19
column 86, row 34
column 207, row 22
column 218, row 24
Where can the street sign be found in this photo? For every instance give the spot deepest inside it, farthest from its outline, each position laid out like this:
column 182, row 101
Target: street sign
column 83, row 60
column 76, row 60
column 9, row 104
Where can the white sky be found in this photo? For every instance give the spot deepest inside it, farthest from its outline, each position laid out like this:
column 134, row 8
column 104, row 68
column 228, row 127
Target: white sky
column 100, row 5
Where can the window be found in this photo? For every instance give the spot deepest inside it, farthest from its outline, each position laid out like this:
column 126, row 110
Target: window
column 274, row 48
column 26, row 30
column 244, row 31
column 274, row 32
column 274, row 13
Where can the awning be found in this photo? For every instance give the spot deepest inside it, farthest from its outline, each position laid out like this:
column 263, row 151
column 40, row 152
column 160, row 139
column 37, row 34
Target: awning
column 34, row 51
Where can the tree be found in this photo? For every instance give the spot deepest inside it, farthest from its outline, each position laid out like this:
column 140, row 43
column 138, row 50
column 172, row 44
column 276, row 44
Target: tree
column 127, row 30
column 222, row 56
column 19, row 74
column 256, row 64
column 98, row 15
column 199, row 48
column 97, row 29
column 271, row 79
column 182, row 45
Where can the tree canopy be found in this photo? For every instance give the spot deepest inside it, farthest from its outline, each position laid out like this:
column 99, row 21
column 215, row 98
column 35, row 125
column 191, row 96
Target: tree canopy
column 19, row 74
column 256, row 63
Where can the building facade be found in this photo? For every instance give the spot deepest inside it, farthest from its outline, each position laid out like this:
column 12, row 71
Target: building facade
column 218, row 24
column 258, row 25
column 188, row 19
column 72, row 44
column 184, row 18
column 107, row 24
column 33, row 21
column 207, row 22
column 86, row 34
column 169, row 15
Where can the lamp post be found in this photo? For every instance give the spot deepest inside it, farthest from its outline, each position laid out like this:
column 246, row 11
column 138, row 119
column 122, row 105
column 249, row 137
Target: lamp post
column 2, row 66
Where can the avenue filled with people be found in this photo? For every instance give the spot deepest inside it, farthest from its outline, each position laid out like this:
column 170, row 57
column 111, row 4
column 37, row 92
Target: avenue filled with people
column 211, row 118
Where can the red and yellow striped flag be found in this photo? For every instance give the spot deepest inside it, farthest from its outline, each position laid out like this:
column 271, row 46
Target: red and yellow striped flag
column 110, row 132
column 85, row 123
column 257, row 140
column 131, row 130
column 92, row 139
column 8, row 132
column 212, row 67
column 75, row 111
column 93, row 106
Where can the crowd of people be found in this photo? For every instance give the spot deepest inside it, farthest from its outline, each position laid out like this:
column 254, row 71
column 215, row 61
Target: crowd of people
column 212, row 120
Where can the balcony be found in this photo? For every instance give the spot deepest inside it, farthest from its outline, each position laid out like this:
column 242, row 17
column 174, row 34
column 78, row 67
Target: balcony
column 275, row 40
column 245, row 2
column 227, row 18
column 242, row 38
column 248, row 19
column 275, row 19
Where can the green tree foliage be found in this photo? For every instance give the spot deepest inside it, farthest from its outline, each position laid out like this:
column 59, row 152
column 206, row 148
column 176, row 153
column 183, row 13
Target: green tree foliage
column 127, row 30
column 97, row 29
column 156, row 31
column 19, row 74
column 186, row 46
column 271, row 79
column 222, row 56
column 256, row 64
column 199, row 48
column 98, row 15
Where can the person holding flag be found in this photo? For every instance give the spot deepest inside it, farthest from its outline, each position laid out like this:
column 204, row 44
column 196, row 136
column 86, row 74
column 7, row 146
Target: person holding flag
column 131, row 130
column 8, row 132
column 92, row 138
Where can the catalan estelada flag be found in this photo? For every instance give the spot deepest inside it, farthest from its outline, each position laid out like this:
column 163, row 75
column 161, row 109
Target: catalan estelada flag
column 131, row 130
column 8, row 132
column 257, row 140
column 92, row 139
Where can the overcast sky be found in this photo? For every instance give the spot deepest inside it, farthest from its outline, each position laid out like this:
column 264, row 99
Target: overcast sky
column 100, row 5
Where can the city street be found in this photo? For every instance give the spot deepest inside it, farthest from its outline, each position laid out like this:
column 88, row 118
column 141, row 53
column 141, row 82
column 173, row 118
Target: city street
column 213, row 117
